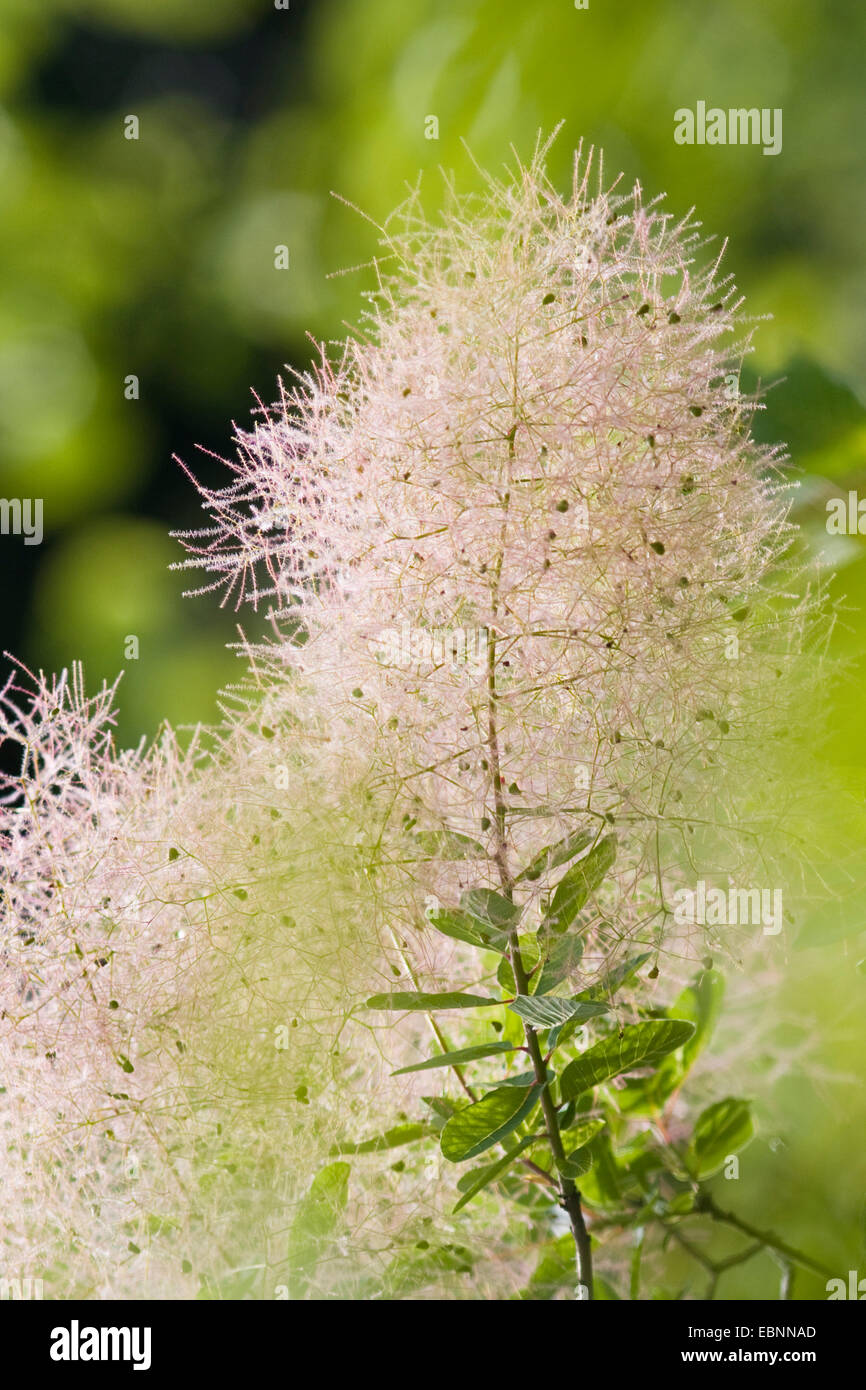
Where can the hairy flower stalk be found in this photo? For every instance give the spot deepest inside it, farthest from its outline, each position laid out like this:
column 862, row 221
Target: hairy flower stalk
column 518, row 549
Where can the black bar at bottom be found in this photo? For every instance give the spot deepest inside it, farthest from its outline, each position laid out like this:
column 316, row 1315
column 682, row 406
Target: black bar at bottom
column 63, row 1339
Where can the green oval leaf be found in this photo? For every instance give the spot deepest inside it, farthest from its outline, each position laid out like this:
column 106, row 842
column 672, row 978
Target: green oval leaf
column 554, row 855
column 429, row 1002
column 454, row 1059
column 391, row 1139
column 720, row 1131
column 478, row 1127
column 316, row 1221
column 701, row 1005
column 529, row 954
column 578, row 1160
column 641, row 1045
column 584, row 1133
column 576, row 1165
column 459, row 925
column 616, row 978
column 491, row 909
column 578, row 882
column 563, row 956
column 551, row 1012
column 602, row 1186
column 446, row 844
column 475, row 1181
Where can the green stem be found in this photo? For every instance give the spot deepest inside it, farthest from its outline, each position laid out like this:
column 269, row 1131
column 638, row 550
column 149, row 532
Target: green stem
column 568, row 1194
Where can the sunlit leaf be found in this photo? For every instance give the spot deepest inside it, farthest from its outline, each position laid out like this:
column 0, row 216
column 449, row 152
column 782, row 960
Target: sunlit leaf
column 529, row 954
column 554, row 855
column 491, row 909
column 478, row 1127
column 446, row 844
column 641, row 1045
column 720, row 1131
column 459, row 925
column 550, row 1012
column 475, row 1181
column 391, row 1139
column 578, row 882
column 455, row 1059
column 429, row 1003
column 563, row 956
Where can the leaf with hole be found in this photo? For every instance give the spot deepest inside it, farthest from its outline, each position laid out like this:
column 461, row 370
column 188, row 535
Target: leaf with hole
column 477, row 1127
column 641, row 1045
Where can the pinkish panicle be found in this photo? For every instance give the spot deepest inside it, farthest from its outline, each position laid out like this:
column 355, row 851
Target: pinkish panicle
column 528, row 493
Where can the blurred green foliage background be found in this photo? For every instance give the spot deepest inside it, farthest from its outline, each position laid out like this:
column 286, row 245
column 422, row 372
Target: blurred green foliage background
column 155, row 257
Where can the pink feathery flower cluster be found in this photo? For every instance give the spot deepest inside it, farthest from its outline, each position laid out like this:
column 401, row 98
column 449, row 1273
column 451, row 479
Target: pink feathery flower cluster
column 516, row 542
column 95, row 956
column 519, row 552
column 167, row 919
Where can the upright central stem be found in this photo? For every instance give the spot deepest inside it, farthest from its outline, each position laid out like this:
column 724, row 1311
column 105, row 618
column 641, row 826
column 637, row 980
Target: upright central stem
column 569, row 1196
